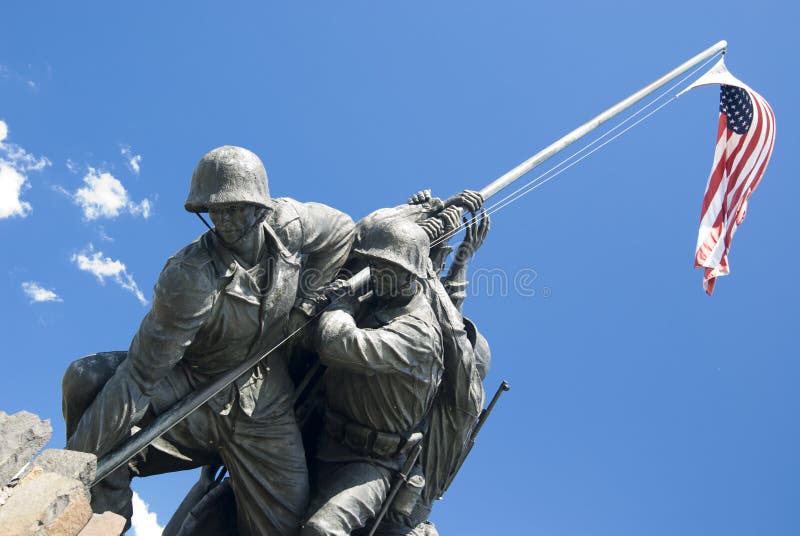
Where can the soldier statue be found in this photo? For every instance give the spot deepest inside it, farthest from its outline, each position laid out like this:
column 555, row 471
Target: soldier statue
column 402, row 371
column 236, row 290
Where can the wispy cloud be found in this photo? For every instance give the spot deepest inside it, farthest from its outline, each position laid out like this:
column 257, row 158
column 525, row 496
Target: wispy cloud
column 15, row 163
column 144, row 522
column 72, row 166
column 104, row 196
column 37, row 293
column 103, row 235
column 8, row 74
column 134, row 160
column 103, row 268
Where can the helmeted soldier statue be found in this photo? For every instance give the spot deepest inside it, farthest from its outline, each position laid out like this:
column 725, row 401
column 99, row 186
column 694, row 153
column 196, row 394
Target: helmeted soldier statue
column 226, row 296
column 453, row 414
column 384, row 360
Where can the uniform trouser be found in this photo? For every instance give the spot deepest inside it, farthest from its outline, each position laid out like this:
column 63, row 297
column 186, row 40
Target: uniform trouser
column 265, row 457
column 347, row 497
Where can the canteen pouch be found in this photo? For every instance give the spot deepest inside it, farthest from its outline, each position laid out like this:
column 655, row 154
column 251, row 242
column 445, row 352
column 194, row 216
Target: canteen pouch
column 409, row 494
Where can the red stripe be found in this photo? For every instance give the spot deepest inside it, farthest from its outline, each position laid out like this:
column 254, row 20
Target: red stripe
column 716, row 173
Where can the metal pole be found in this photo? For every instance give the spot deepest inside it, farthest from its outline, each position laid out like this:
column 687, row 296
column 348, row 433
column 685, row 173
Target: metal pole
column 512, row 175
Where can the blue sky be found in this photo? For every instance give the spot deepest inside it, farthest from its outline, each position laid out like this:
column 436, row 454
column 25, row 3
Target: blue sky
column 639, row 405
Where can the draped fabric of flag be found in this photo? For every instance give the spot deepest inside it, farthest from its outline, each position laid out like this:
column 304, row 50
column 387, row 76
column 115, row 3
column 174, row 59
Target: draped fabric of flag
column 745, row 137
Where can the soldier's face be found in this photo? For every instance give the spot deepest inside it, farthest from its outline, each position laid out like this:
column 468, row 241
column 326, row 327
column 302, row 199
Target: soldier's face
column 388, row 280
column 231, row 222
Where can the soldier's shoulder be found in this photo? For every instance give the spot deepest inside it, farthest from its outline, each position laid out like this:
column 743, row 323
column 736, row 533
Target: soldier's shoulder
column 191, row 265
column 284, row 218
column 418, row 313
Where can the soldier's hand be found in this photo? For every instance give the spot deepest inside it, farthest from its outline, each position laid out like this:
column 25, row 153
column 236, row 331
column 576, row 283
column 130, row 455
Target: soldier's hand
column 346, row 301
column 423, row 196
column 469, row 200
column 433, row 227
column 476, row 231
column 451, row 218
column 334, row 290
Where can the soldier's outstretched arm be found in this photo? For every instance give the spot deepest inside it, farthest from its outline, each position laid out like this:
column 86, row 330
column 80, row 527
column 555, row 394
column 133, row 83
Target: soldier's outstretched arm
column 398, row 346
column 182, row 302
column 327, row 238
column 456, row 279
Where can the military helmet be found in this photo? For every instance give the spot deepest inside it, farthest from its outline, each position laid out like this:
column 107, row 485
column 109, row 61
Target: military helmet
column 400, row 242
column 227, row 175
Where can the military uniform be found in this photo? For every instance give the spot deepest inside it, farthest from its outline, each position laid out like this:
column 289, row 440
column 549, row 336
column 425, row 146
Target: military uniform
column 381, row 379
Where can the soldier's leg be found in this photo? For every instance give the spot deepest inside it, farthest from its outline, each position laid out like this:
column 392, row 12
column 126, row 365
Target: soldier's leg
column 83, row 380
column 266, row 461
column 348, row 496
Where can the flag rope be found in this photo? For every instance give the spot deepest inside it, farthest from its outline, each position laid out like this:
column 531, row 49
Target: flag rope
column 535, row 183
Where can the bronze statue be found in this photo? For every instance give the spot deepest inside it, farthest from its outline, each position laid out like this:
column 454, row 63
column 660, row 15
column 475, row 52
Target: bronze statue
column 384, row 360
column 404, row 368
column 232, row 292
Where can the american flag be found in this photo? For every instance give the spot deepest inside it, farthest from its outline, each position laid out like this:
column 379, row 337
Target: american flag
column 745, row 137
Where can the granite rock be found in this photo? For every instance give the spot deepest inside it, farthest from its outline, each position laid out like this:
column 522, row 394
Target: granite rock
column 22, row 435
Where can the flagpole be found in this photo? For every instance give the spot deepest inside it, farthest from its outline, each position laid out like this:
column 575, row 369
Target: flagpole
column 560, row 144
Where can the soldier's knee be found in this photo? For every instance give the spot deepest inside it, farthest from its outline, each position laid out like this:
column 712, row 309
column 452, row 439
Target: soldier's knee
column 83, row 379
column 311, row 528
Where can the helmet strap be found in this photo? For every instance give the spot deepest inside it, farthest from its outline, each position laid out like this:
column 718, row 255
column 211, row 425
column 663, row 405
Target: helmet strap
column 202, row 219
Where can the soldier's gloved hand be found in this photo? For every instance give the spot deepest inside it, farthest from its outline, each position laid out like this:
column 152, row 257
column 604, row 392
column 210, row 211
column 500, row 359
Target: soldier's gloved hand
column 469, row 200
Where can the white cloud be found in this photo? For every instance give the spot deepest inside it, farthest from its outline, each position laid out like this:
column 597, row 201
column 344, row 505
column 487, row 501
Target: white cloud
column 143, row 521
column 15, row 162
column 103, row 268
column 144, row 208
column 134, row 160
column 12, row 184
column 38, row 293
column 104, row 196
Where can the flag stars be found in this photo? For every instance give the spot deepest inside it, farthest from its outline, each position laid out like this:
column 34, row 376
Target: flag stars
column 735, row 103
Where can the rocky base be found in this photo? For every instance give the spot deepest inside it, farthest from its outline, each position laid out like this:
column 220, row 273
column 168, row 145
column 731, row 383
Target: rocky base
column 48, row 494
